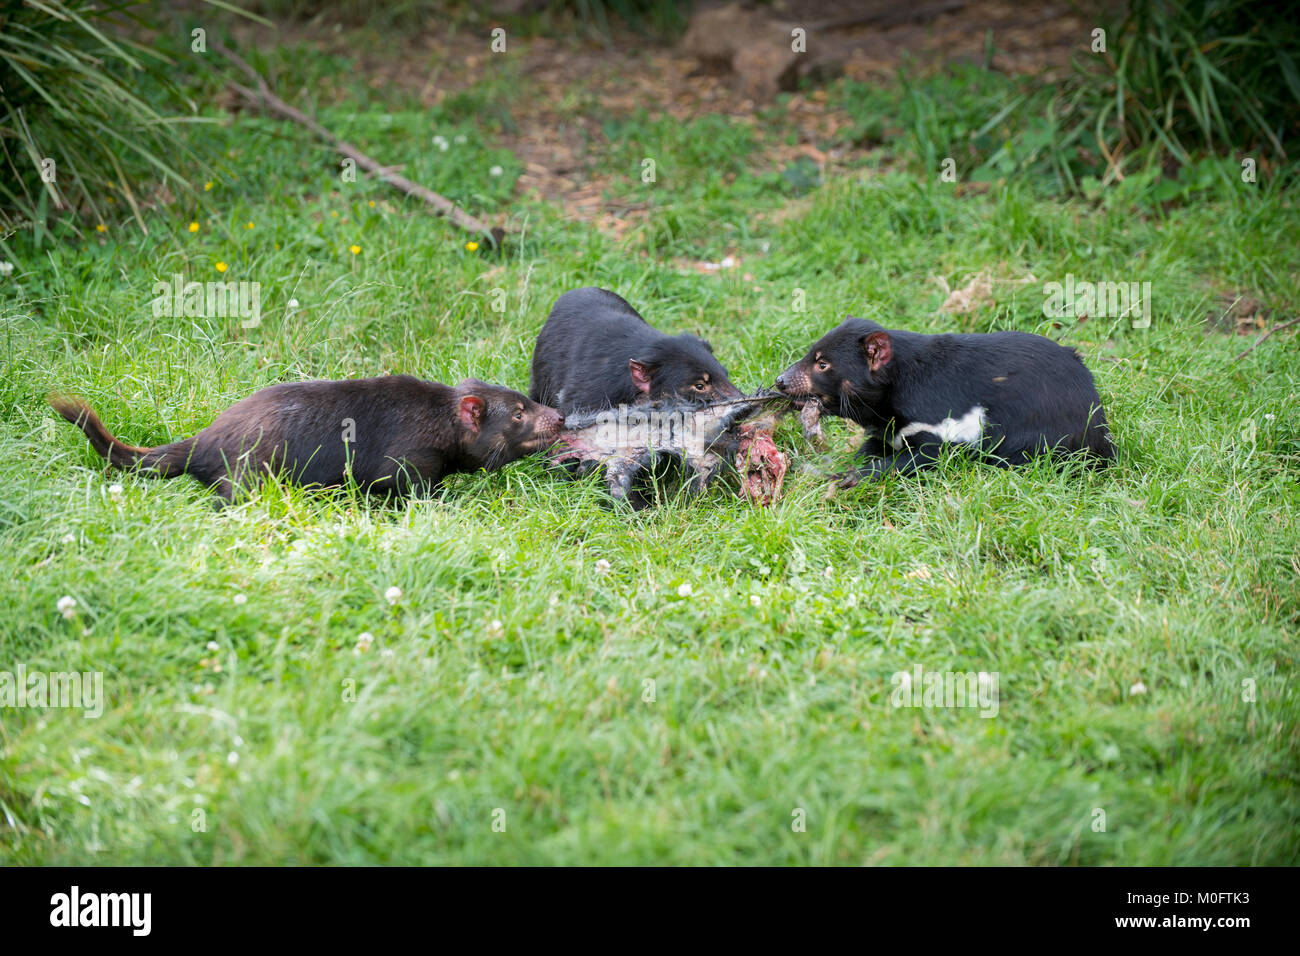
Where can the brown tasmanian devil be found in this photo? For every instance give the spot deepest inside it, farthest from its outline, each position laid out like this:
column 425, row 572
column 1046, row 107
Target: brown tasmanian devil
column 389, row 434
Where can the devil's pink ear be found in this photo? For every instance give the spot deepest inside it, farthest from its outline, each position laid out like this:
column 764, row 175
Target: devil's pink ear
column 471, row 412
column 877, row 349
column 640, row 375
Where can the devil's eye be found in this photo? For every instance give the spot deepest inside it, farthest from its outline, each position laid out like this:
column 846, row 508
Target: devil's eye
column 701, row 386
column 823, row 365
column 519, row 416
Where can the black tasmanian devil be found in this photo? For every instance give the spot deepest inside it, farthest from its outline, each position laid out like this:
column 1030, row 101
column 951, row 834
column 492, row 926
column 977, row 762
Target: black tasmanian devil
column 390, row 434
column 1006, row 395
column 596, row 351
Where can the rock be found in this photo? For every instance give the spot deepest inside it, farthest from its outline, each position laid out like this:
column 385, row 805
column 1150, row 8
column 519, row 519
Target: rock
column 746, row 43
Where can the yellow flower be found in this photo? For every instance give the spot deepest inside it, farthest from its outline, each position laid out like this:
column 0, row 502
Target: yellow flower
column 207, row 187
column 101, row 228
column 222, row 267
column 471, row 246
column 334, row 213
column 372, row 204
column 249, row 226
column 354, row 249
column 194, row 227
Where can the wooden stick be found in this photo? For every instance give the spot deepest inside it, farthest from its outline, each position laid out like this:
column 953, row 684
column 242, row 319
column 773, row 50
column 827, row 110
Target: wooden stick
column 889, row 17
column 1259, row 341
column 493, row 234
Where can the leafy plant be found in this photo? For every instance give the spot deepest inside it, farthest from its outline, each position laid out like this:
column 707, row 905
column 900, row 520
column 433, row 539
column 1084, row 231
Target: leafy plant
column 1214, row 75
column 82, row 118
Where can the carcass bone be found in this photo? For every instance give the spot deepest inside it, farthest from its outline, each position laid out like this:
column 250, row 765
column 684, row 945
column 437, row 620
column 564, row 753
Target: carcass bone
column 630, row 439
column 810, row 417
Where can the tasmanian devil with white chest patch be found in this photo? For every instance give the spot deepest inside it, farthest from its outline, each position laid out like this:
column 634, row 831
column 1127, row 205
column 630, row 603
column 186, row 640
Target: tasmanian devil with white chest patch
column 389, row 434
column 1007, row 396
column 596, row 351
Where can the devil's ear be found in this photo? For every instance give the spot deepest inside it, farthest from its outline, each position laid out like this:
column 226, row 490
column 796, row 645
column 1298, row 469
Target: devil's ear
column 471, row 412
column 877, row 349
column 641, row 375
column 708, row 345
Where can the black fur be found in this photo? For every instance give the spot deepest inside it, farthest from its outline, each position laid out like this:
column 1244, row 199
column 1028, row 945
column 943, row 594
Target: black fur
column 400, row 432
column 595, row 351
column 1037, row 395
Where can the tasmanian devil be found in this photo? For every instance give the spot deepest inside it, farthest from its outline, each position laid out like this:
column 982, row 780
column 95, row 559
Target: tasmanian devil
column 389, row 434
column 1005, row 395
column 595, row 351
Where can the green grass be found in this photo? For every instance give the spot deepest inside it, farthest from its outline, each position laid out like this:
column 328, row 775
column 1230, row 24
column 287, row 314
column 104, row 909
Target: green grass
column 512, row 673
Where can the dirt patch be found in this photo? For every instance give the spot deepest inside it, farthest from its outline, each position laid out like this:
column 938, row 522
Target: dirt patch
column 1239, row 313
column 569, row 86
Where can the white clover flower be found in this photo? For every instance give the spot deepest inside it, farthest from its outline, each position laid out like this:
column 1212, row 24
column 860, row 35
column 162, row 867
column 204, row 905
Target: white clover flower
column 496, row 171
column 68, row 539
column 232, row 758
column 6, row 268
column 461, row 140
column 364, row 640
column 67, row 606
column 240, row 599
column 213, row 646
column 115, row 491
column 495, row 628
column 684, row 590
column 393, row 595
column 755, row 600
column 603, row 566
column 554, row 601
column 1138, row 688
column 440, row 142
column 293, row 303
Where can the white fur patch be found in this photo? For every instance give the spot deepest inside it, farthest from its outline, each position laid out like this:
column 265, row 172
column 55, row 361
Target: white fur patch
column 966, row 430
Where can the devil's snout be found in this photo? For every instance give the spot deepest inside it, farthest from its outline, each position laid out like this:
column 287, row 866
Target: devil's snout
column 794, row 381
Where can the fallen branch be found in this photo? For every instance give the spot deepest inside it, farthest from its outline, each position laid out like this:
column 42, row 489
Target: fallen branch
column 1260, row 340
column 887, row 18
column 444, row 206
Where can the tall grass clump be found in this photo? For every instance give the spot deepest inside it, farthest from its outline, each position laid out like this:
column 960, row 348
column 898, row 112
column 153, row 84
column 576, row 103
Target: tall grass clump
column 88, row 114
column 1210, row 76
